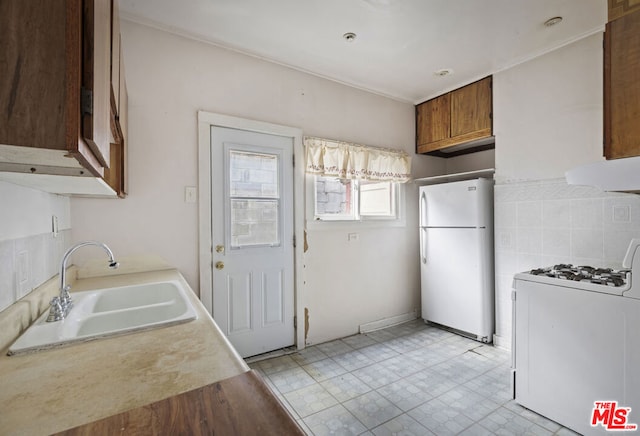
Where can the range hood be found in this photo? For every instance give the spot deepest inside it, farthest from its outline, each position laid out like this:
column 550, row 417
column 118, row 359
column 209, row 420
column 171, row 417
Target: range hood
column 621, row 175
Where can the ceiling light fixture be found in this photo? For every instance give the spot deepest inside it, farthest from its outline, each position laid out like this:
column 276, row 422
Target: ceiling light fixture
column 552, row 21
column 443, row 72
column 349, row 36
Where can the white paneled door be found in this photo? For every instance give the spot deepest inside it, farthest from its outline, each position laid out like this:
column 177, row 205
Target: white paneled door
column 252, row 234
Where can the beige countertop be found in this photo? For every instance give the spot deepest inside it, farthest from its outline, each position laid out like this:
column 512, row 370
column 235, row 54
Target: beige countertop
column 53, row 390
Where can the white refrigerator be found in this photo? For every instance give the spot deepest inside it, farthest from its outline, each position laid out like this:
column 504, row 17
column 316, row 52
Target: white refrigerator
column 456, row 256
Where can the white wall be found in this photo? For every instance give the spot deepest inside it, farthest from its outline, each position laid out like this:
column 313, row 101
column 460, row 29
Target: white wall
column 29, row 253
column 548, row 119
column 27, row 211
column 548, row 113
column 169, row 79
column 470, row 162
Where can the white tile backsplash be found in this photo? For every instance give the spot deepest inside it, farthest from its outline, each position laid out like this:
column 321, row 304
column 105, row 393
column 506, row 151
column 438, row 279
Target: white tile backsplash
column 556, row 213
column 26, row 263
column 529, row 240
column 39, row 260
column 22, row 268
column 546, row 222
column 7, row 274
column 529, row 214
column 528, row 261
column 556, row 242
column 506, row 214
column 586, row 213
column 588, row 243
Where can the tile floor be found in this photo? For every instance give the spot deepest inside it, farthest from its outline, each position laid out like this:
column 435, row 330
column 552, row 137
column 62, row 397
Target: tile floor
column 410, row 379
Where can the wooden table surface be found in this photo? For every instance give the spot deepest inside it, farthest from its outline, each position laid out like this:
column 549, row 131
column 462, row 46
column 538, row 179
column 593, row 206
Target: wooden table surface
column 240, row 405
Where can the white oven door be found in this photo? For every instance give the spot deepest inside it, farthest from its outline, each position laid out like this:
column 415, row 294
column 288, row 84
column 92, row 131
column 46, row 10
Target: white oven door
column 573, row 348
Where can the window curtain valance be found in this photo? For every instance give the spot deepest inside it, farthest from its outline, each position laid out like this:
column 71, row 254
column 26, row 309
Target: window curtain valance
column 352, row 161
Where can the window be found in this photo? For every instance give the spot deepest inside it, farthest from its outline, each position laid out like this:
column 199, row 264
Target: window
column 354, row 200
column 378, row 199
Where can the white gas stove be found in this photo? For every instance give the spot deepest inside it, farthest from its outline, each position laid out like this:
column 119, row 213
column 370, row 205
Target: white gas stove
column 576, row 341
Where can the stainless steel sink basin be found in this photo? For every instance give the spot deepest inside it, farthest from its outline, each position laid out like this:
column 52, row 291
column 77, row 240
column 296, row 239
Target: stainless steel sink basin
column 109, row 312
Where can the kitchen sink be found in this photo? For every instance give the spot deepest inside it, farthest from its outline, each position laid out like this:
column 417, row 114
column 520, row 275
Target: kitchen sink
column 109, row 312
column 135, row 296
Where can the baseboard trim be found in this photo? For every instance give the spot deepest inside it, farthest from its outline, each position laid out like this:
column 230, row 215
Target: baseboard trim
column 388, row 322
column 502, row 342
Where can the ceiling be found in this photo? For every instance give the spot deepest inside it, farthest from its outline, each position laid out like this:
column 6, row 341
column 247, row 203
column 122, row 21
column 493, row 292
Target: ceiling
column 399, row 44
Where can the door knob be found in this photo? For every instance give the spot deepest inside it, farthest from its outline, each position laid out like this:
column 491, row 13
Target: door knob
column 219, row 248
column 219, row 265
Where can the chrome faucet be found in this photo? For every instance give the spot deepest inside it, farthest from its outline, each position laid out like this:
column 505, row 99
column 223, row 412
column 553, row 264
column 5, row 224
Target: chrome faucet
column 61, row 305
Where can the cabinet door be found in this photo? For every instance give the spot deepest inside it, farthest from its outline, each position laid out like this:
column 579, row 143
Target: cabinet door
column 115, row 51
column 618, row 8
column 432, row 121
column 32, row 104
column 96, row 77
column 471, row 110
column 622, row 87
column 116, row 174
column 123, row 120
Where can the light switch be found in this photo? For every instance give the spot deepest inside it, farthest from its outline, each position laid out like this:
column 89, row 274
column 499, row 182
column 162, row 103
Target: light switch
column 190, row 194
column 353, row 236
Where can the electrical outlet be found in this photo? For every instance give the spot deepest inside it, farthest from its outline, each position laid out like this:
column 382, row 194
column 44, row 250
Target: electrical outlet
column 54, row 226
column 353, row 236
column 621, row 214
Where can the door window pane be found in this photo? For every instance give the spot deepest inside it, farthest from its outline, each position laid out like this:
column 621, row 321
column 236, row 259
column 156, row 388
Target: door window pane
column 253, row 174
column 254, row 222
column 254, row 199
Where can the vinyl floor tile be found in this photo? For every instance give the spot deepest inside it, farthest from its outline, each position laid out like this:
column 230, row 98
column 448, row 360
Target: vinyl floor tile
column 372, row 409
column 409, row 379
column 402, row 425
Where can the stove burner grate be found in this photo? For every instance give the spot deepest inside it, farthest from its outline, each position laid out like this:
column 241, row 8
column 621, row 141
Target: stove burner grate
column 599, row 276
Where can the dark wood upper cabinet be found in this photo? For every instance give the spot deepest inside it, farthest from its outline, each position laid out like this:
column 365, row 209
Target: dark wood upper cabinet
column 471, row 108
column 619, row 8
column 96, row 76
column 433, row 120
column 622, row 86
column 55, row 87
column 459, row 118
column 116, row 174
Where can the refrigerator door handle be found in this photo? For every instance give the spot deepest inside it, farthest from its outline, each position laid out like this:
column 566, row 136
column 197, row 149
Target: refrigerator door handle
column 423, row 208
column 423, row 245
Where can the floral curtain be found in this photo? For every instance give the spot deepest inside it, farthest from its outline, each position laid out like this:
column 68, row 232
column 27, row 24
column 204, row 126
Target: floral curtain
column 352, row 161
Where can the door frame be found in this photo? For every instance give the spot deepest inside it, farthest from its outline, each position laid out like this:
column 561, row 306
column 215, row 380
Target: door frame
column 207, row 120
